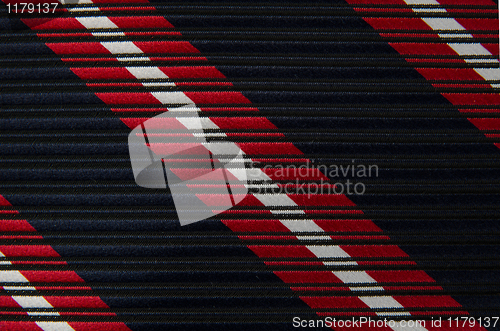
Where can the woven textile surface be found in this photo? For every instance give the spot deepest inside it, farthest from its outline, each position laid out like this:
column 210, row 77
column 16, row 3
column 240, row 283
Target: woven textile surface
column 260, row 165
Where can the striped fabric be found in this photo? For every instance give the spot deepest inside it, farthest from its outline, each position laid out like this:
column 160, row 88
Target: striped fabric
column 408, row 89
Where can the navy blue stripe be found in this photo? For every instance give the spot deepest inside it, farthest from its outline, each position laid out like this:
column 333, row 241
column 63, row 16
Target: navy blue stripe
column 152, row 251
column 318, row 72
column 49, row 98
column 200, row 303
column 397, row 122
column 178, row 277
column 275, row 21
column 85, row 122
column 28, row 48
column 41, row 74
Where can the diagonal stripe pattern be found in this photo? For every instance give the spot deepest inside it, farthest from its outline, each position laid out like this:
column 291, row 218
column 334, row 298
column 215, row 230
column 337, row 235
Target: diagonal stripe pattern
column 123, row 49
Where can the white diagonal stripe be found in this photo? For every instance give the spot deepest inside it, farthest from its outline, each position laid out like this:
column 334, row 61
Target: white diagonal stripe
column 328, row 251
column 97, row 22
column 462, row 49
column 384, row 301
column 301, row 225
column 172, row 97
column 12, row 276
column 55, row 326
column 27, row 301
column 121, row 47
column 276, row 200
column 442, row 23
column 469, row 49
column 147, row 72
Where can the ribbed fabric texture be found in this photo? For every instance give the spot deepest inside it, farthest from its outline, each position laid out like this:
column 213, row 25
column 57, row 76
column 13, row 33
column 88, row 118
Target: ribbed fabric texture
column 315, row 95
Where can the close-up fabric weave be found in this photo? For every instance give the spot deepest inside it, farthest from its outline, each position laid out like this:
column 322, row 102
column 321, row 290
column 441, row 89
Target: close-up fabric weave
column 259, row 165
